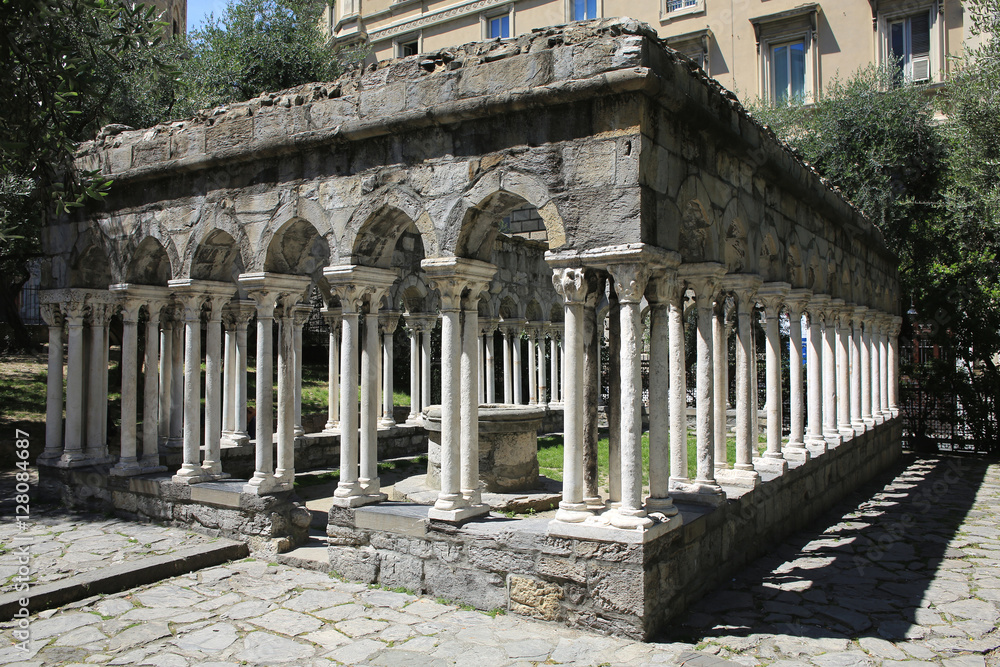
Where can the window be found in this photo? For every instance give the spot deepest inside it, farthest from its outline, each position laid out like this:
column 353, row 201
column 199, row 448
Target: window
column 408, row 49
column 788, row 72
column 498, row 27
column 910, row 47
column 584, row 9
column 695, row 45
column 678, row 5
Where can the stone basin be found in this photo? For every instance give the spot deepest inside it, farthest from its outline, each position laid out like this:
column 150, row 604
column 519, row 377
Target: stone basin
column 508, row 446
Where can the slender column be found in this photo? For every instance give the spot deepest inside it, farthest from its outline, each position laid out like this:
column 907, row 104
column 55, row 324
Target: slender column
column 795, row 302
column 678, row 388
column 554, row 365
column 893, row 363
column 720, row 351
column 300, row 315
column 614, row 399
column 97, row 395
column 102, row 454
column 414, row 335
column 857, row 421
column 176, row 437
column 866, row 370
column 151, row 387
column 883, row 372
column 542, row 380
column 746, row 395
column 814, row 372
column 772, row 296
column 658, row 294
column 590, row 393
column 332, row 425
column 370, row 355
column 245, row 311
column 830, row 432
column 469, row 419
column 52, row 313
column 212, row 464
column 843, row 321
column 481, row 345
column 284, row 471
column 75, row 360
column 166, row 373
column 491, row 381
column 532, row 364
column 190, row 470
column 228, row 374
column 630, row 283
column 128, row 462
column 263, row 480
column 704, row 280
column 517, row 375
column 875, row 320
column 425, row 365
column 388, row 322
column 572, row 285
column 508, row 383
column 348, row 492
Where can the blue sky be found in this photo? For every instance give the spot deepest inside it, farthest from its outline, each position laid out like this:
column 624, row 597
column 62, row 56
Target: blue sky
column 199, row 9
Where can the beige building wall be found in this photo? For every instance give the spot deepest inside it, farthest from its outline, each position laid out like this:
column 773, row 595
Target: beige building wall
column 738, row 42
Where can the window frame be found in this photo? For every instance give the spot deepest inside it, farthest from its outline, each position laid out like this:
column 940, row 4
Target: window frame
column 788, row 27
column 698, row 7
column 936, row 28
column 598, row 9
column 409, row 38
column 495, row 13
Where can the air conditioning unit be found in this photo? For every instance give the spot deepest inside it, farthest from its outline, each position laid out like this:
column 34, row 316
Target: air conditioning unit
column 920, row 69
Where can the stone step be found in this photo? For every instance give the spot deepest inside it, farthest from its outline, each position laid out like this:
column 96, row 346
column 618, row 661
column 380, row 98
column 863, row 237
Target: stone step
column 117, row 578
column 312, row 555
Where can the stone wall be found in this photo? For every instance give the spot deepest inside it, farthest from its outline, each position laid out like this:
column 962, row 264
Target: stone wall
column 629, row 589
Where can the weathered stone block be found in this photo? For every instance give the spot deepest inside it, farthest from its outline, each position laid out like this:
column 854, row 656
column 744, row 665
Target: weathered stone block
column 355, row 563
column 537, row 599
column 396, row 569
column 483, row 590
column 617, row 589
column 500, row 560
column 559, row 568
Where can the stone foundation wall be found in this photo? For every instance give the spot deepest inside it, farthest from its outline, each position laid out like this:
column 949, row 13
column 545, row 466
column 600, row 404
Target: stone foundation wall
column 629, row 589
column 268, row 524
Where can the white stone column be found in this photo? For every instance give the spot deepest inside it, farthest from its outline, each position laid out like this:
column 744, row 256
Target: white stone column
column 543, row 385
column 795, row 302
column 166, row 373
column 332, row 316
column 128, row 461
column 704, row 279
column 814, row 372
column 517, row 374
column 451, row 276
column 772, row 297
column 371, row 351
column 150, row 461
column 490, row 381
column 300, row 315
column 532, row 330
column 212, row 464
column 425, row 364
column 75, row 360
column 678, row 388
column 235, row 317
column 471, row 369
column 97, row 395
column 857, row 421
column 554, row 365
column 830, row 432
column 842, row 318
column 866, row 370
column 720, row 385
column 176, row 437
column 659, row 293
column 413, row 332
column 388, row 322
column 893, row 350
column 228, row 374
column 284, row 469
column 883, row 371
column 263, row 479
column 52, row 313
column 875, row 321
column 630, row 284
column 572, row 285
column 190, row 470
column 348, row 492
column 745, row 292
column 508, row 380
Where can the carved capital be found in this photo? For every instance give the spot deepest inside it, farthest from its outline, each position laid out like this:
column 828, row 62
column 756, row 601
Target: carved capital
column 571, row 284
column 52, row 314
column 772, row 297
column 388, row 320
column 130, row 309
column 630, row 281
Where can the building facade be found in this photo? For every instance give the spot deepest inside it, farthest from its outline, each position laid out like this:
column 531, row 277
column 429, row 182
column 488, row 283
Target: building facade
column 768, row 49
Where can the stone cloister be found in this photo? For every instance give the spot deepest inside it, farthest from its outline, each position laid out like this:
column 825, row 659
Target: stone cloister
column 384, row 192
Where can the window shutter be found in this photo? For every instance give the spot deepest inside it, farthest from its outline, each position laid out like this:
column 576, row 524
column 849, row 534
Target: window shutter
column 921, row 69
column 920, row 35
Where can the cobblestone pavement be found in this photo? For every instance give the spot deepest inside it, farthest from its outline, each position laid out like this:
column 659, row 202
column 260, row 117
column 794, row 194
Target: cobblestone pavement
column 910, row 576
column 905, row 577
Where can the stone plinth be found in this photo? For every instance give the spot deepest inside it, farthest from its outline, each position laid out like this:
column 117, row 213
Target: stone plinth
column 508, row 446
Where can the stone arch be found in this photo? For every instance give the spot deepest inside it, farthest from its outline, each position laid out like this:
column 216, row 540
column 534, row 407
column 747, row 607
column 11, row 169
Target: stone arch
column 223, row 220
column 770, row 265
column 736, row 251
column 509, row 307
column 376, row 225
column 697, row 235
column 473, row 223
column 413, row 293
column 297, row 248
column 216, row 257
column 90, row 265
column 556, row 313
column 533, row 311
column 150, row 264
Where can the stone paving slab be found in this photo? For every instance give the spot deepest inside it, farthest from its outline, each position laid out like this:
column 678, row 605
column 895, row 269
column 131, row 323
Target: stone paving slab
column 255, row 613
column 907, row 576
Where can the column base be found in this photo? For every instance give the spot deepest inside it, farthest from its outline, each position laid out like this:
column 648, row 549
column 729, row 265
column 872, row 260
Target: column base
column 576, row 512
column 360, row 500
column 833, row 439
column 457, row 514
column 743, row 479
column 846, row 431
column 600, row 528
column 698, row 492
column 796, row 452
column 413, row 419
column 332, row 430
column 594, row 503
column 234, row 439
column 298, row 431
column 386, row 422
column 894, row 412
column 126, row 469
column 261, row 484
column 664, row 506
column 869, row 422
column 189, row 474
column 771, row 464
column 627, row 520
column 173, row 443
column 152, row 467
column 859, row 428
column 49, row 457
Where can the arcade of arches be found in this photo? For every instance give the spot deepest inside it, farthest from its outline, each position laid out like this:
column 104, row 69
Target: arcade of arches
column 385, row 192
